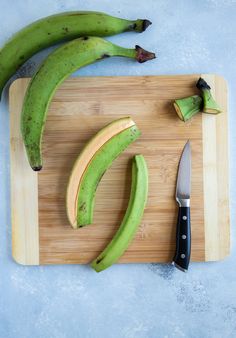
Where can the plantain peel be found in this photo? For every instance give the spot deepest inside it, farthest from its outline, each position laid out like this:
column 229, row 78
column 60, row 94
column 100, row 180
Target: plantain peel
column 57, row 66
column 131, row 220
column 53, row 29
column 96, row 157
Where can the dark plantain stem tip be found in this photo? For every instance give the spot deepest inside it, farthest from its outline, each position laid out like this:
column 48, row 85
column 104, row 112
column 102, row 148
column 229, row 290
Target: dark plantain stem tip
column 143, row 55
column 38, row 168
column 139, row 25
column 202, row 84
column 146, row 24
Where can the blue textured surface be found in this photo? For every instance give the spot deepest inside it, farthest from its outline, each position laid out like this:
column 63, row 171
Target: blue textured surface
column 130, row 301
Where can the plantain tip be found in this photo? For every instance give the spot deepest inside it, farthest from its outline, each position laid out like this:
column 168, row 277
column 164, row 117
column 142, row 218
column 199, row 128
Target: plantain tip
column 37, row 168
column 143, row 55
column 202, row 84
column 146, row 24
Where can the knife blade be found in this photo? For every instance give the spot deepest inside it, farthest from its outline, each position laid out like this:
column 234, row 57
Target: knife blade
column 183, row 191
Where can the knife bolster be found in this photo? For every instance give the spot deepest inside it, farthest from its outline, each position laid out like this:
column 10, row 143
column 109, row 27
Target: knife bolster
column 183, row 202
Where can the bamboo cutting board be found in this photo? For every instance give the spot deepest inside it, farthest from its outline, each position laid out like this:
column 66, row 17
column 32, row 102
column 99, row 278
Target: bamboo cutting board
column 41, row 233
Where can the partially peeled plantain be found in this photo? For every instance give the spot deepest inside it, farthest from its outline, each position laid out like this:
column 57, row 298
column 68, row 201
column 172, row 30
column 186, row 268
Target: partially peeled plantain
column 93, row 161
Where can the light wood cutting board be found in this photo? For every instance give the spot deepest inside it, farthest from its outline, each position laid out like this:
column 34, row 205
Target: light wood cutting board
column 41, row 233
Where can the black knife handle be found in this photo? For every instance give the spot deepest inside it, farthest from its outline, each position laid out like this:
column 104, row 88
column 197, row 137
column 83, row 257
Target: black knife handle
column 183, row 239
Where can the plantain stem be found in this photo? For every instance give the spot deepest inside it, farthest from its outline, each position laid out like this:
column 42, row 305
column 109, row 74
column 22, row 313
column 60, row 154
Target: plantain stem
column 143, row 55
column 139, row 54
column 210, row 106
column 140, row 25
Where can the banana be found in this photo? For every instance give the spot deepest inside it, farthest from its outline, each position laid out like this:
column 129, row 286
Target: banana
column 56, row 28
column 82, row 164
column 131, row 220
column 57, row 66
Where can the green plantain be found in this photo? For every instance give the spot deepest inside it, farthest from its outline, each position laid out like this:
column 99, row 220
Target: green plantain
column 56, row 28
column 131, row 220
column 57, row 66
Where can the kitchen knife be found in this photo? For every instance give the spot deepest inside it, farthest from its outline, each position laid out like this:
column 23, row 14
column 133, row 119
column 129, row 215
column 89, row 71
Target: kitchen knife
column 183, row 231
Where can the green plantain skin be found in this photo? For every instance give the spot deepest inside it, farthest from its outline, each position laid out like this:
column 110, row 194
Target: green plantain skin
column 101, row 161
column 131, row 220
column 210, row 106
column 57, row 66
column 187, row 107
column 56, row 28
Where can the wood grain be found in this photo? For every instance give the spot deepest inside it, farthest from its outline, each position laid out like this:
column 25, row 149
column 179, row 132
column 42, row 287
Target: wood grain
column 216, row 182
column 24, row 188
column 81, row 107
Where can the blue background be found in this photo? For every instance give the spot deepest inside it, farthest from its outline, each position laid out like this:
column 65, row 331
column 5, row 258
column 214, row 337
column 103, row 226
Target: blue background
column 126, row 301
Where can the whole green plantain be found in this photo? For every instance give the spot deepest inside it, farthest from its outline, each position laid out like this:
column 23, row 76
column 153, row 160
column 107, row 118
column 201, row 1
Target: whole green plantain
column 56, row 28
column 57, row 66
